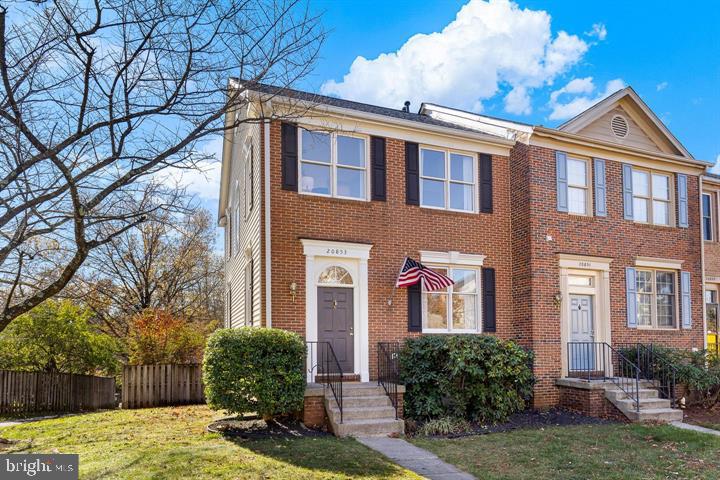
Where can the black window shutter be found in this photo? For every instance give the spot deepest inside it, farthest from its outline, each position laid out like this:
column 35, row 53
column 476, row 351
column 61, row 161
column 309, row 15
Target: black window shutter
column 289, row 153
column 412, row 174
column 486, row 183
column 488, row 299
column 414, row 308
column 377, row 161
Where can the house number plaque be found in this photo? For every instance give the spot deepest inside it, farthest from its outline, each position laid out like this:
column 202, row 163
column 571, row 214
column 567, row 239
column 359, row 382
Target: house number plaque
column 336, row 251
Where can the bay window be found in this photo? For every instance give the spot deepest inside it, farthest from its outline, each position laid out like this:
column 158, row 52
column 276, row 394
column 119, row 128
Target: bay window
column 651, row 197
column 456, row 308
column 656, row 298
column 447, row 179
column 333, row 164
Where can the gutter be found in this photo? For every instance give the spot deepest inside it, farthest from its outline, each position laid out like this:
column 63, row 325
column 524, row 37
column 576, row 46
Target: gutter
column 582, row 140
column 268, row 249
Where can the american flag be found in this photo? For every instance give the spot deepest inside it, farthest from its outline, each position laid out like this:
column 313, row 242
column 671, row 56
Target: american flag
column 413, row 272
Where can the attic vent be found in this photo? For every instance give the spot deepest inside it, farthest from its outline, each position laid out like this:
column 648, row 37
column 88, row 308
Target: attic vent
column 619, row 126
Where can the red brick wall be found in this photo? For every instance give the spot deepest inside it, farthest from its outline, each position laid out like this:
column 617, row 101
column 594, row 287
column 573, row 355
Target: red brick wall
column 589, row 402
column 313, row 414
column 395, row 230
column 712, row 259
column 610, row 236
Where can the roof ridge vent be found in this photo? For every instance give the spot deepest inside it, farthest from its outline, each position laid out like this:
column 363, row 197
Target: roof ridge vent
column 619, row 126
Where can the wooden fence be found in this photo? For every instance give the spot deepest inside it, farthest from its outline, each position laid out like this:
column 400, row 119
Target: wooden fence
column 157, row 385
column 26, row 392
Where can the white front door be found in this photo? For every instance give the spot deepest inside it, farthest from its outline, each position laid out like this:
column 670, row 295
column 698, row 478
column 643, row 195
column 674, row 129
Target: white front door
column 582, row 333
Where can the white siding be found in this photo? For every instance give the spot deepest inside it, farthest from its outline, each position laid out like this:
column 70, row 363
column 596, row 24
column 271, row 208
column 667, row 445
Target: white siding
column 246, row 243
column 636, row 137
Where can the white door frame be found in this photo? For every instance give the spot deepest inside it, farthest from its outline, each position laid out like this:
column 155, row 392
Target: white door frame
column 599, row 269
column 353, row 257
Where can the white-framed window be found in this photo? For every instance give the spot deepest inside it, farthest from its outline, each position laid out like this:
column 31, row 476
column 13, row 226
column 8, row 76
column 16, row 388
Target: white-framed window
column 236, row 214
column 249, row 288
column 249, row 152
column 652, row 197
column 455, row 309
column 657, row 305
column 333, row 164
column 448, row 179
column 578, row 172
column 708, row 218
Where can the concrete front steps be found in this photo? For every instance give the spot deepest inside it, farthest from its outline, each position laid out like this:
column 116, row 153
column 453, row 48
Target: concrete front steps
column 367, row 411
column 652, row 407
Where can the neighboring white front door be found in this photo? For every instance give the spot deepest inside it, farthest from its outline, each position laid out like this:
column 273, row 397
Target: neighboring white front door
column 582, row 333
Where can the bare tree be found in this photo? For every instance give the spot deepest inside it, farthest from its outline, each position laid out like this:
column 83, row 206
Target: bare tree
column 98, row 96
column 167, row 263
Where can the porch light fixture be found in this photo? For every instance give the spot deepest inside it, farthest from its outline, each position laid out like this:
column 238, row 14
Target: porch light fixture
column 293, row 290
column 558, row 299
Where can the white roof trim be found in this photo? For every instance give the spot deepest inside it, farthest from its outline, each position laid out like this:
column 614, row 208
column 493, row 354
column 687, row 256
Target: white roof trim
column 576, row 123
column 490, row 125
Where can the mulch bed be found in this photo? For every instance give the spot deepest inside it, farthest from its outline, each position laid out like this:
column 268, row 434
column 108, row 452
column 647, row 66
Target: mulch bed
column 534, row 419
column 255, row 428
column 702, row 416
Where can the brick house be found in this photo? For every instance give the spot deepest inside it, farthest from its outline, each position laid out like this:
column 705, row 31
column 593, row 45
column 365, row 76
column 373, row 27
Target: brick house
column 590, row 233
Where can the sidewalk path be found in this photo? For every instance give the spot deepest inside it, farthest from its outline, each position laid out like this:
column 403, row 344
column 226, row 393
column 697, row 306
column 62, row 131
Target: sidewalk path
column 695, row 428
column 414, row 458
column 20, row 421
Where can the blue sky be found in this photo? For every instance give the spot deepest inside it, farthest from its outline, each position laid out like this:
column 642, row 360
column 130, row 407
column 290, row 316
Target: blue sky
column 534, row 61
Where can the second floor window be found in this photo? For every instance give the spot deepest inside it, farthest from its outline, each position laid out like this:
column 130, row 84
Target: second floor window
column 707, row 216
column 578, row 186
column 447, row 180
column 651, row 197
column 333, row 165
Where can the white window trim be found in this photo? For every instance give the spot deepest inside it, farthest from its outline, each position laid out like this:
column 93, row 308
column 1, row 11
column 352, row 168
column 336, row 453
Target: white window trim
column 653, row 305
column 587, row 187
column 446, row 181
column 248, row 174
column 454, row 260
column 450, row 292
column 650, row 198
column 710, row 195
column 334, row 165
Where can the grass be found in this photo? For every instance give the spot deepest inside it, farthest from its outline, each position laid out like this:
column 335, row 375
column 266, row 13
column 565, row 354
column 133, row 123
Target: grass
column 169, row 443
column 714, row 426
column 584, row 452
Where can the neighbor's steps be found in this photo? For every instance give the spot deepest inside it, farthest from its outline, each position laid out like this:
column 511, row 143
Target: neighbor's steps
column 367, row 410
column 652, row 407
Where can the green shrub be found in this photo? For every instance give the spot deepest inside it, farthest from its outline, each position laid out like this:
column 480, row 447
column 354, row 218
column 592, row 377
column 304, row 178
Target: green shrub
column 444, row 426
column 255, row 370
column 699, row 371
column 478, row 377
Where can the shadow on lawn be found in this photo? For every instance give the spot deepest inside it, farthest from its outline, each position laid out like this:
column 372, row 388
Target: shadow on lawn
column 341, row 456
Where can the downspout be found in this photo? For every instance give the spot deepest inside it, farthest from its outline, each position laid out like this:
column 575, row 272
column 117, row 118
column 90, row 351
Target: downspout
column 702, row 262
column 268, row 250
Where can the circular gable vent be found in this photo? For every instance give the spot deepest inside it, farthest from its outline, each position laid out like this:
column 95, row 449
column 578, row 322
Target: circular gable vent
column 619, row 126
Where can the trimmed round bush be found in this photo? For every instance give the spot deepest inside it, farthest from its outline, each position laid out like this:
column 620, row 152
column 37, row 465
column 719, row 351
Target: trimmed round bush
column 476, row 377
column 255, row 370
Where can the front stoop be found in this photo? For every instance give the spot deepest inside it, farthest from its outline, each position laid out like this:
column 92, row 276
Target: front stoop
column 367, row 411
column 652, row 407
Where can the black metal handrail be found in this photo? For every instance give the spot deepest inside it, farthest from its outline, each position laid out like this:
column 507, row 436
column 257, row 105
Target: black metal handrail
column 655, row 368
column 327, row 370
column 389, row 370
column 600, row 361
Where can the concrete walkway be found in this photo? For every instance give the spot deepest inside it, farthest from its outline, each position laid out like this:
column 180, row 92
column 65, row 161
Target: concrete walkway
column 414, row 458
column 695, row 428
column 20, row 421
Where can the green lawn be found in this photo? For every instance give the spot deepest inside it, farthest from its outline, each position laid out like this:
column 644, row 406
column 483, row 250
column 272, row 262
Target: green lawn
column 584, row 452
column 170, row 443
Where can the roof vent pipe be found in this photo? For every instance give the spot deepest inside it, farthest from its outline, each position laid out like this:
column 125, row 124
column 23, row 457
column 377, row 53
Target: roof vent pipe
column 406, row 108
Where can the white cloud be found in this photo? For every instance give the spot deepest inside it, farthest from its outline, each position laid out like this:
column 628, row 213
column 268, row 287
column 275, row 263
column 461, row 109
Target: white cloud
column 491, row 46
column 716, row 168
column 204, row 181
column 598, row 31
column 577, row 96
column 661, row 86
